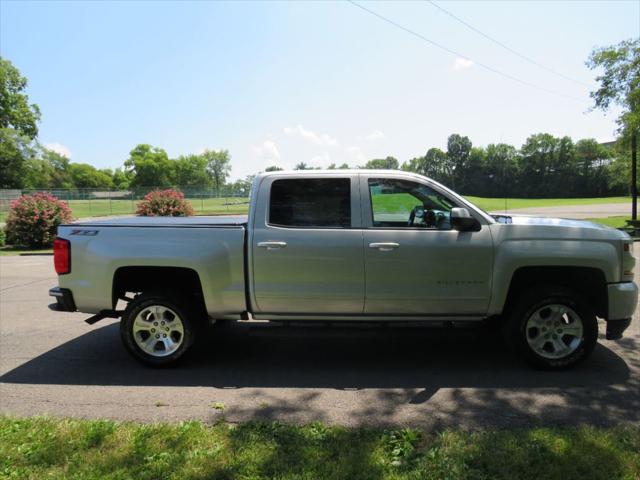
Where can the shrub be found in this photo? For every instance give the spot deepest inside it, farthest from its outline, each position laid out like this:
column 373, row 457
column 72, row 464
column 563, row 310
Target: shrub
column 2, row 237
column 164, row 203
column 34, row 219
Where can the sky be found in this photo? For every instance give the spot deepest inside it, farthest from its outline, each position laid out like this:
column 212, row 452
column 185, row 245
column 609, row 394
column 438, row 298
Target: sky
column 278, row 83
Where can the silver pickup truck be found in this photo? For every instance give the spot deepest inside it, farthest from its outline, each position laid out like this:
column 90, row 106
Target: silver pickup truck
column 346, row 245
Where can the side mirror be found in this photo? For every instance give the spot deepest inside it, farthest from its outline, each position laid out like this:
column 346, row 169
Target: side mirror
column 462, row 220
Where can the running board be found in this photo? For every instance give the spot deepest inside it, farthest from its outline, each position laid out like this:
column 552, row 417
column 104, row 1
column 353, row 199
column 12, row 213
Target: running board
column 369, row 318
column 104, row 314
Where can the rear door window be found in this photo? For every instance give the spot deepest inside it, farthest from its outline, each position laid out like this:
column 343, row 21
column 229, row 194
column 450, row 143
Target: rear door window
column 311, row 202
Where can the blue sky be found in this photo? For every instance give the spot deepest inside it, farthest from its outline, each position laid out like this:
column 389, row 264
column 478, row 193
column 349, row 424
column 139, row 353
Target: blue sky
column 318, row 82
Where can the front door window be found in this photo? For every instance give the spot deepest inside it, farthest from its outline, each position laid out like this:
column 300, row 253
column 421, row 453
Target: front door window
column 399, row 203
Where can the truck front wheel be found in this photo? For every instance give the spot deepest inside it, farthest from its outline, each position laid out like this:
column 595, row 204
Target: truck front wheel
column 551, row 327
column 156, row 330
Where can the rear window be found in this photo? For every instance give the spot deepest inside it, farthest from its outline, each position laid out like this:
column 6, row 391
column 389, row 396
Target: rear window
column 317, row 202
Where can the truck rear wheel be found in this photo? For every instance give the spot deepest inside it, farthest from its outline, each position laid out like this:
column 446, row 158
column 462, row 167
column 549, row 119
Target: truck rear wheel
column 156, row 329
column 551, row 327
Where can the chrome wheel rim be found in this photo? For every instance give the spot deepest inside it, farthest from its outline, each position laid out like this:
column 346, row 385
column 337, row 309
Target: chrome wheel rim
column 554, row 331
column 158, row 331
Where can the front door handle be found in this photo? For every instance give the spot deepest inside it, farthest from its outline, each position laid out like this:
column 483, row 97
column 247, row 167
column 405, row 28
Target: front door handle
column 384, row 246
column 272, row 245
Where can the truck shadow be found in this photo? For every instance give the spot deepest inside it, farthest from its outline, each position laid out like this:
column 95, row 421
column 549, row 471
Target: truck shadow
column 424, row 377
column 239, row 356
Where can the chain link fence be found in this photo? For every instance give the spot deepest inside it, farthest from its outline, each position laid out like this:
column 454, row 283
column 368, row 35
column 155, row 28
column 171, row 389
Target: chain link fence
column 87, row 202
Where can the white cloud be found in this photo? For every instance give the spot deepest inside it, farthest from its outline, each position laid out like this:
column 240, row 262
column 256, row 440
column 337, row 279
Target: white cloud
column 462, row 64
column 356, row 154
column 59, row 149
column 310, row 136
column 375, row 135
column 321, row 160
column 267, row 150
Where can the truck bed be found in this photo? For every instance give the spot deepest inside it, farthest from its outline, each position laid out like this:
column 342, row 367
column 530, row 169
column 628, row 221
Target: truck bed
column 108, row 249
column 197, row 221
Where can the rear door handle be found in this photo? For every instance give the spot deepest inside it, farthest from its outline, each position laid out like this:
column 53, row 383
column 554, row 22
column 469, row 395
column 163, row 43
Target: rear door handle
column 272, row 245
column 385, row 246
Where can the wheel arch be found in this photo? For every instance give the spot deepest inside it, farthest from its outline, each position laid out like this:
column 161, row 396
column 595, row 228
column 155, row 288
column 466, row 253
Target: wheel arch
column 589, row 282
column 181, row 281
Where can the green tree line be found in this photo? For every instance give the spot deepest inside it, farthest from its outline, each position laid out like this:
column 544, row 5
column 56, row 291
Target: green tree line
column 545, row 166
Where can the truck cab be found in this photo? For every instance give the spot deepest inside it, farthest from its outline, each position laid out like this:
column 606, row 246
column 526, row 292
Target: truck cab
column 377, row 244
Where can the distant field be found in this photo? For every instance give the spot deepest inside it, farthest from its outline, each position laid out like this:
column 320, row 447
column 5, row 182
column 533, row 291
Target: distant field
column 395, row 203
column 498, row 204
column 615, row 222
column 228, row 206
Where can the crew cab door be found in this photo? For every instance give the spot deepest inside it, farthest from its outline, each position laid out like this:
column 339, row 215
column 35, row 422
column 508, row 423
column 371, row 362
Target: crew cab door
column 307, row 247
column 416, row 264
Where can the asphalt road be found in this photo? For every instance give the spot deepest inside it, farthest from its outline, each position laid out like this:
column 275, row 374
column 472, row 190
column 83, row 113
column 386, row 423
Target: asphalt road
column 54, row 363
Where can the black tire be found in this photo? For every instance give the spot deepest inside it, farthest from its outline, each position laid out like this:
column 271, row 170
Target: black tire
column 176, row 305
column 535, row 298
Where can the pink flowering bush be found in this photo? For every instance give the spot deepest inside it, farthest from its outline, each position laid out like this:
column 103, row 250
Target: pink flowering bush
column 34, row 219
column 164, row 203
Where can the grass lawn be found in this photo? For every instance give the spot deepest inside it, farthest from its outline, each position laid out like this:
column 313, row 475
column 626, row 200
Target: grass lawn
column 497, row 204
column 26, row 251
column 615, row 222
column 399, row 202
column 51, row 448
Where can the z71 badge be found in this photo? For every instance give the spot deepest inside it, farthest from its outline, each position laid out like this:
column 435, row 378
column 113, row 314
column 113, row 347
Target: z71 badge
column 85, row 233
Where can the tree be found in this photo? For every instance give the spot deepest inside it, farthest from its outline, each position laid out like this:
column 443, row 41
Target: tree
column 458, row 151
column 618, row 174
column 242, row 187
column 389, row 163
column 38, row 173
column 592, row 159
column 87, row 176
column 18, row 126
column 435, row 164
column 218, row 166
column 15, row 149
column 548, row 166
column 149, row 167
column 302, row 166
column 191, row 171
column 60, row 175
column 501, row 169
column 121, row 179
column 15, row 110
column 475, row 177
column 620, row 85
column 273, row 168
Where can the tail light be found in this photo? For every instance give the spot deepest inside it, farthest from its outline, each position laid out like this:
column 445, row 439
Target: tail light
column 62, row 256
column 628, row 261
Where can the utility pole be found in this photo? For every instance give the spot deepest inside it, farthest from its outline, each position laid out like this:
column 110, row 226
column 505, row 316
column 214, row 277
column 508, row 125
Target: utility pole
column 634, row 173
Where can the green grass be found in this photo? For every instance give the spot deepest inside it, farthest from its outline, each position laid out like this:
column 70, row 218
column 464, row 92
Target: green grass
column 52, row 448
column 615, row 222
column 398, row 202
column 497, row 204
column 9, row 250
